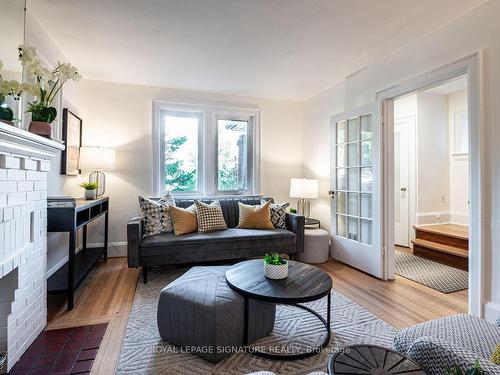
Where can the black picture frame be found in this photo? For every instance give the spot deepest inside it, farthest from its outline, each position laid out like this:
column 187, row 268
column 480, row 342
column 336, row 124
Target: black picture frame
column 72, row 137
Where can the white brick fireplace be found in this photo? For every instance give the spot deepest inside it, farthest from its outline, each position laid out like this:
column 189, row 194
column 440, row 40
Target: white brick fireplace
column 24, row 162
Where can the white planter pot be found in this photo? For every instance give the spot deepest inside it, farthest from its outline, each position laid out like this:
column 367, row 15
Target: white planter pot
column 276, row 272
column 90, row 194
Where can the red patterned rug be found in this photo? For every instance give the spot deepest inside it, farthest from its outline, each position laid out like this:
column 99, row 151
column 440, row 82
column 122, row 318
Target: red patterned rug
column 62, row 351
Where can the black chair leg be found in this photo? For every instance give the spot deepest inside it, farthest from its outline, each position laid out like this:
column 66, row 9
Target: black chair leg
column 144, row 274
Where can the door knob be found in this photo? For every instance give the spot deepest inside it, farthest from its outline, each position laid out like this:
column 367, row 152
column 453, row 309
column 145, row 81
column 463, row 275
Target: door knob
column 403, row 189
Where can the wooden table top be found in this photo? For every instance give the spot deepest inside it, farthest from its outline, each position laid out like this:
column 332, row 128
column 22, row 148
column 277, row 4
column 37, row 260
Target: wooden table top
column 304, row 282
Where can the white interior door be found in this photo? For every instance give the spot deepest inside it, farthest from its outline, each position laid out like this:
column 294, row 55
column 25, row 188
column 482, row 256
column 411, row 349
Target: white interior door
column 402, row 181
column 355, row 183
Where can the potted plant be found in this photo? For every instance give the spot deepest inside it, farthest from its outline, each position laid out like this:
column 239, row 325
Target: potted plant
column 47, row 85
column 90, row 190
column 275, row 267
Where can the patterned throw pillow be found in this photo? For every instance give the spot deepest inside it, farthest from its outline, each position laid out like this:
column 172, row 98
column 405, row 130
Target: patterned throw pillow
column 156, row 214
column 210, row 217
column 278, row 213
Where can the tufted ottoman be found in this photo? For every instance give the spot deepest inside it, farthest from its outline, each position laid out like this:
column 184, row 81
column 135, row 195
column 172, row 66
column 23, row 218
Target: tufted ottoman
column 199, row 311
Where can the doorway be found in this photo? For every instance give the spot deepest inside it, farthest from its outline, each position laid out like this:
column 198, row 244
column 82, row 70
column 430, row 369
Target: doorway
column 431, row 186
column 470, row 68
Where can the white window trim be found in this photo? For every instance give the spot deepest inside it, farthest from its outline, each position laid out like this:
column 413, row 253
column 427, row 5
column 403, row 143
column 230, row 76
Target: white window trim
column 207, row 172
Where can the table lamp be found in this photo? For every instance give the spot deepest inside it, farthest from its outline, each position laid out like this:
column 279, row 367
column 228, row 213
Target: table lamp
column 304, row 189
column 97, row 159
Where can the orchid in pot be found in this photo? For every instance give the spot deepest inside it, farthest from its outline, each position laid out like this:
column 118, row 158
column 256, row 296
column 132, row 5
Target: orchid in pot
column 47, row 85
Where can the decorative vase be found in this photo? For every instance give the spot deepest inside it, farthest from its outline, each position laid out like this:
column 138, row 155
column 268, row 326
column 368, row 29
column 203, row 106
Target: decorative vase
column 90, row 194
column 41, row 128
column 276, row 272
column 6, row 113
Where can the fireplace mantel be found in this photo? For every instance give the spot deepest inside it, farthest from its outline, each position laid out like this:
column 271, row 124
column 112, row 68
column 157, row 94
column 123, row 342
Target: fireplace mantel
column 18, row 141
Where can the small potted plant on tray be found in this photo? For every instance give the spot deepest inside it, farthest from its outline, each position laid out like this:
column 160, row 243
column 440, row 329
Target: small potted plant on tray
column 90, row 190
column 275, row 267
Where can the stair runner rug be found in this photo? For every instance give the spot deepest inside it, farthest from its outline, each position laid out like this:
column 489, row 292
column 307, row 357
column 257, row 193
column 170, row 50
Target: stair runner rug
column 62, row 351
column 435, row 275
column 143, row 351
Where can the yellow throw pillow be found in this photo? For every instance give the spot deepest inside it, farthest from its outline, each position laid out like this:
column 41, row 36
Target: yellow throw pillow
column 184, row 219
column 495, row 357
column 255, row 217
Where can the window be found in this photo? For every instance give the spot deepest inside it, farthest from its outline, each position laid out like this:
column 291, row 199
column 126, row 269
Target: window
column 205, row 150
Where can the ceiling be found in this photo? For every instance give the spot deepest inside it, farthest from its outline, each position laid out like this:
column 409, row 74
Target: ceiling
column 282, row 49
column 450, row 87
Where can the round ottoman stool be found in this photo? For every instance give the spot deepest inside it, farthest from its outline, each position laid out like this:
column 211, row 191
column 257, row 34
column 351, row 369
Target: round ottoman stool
column 316, row 246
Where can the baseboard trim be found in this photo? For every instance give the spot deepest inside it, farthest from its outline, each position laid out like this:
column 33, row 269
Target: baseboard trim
column 115, row 249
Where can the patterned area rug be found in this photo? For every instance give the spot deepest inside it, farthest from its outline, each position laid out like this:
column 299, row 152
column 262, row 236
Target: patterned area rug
column 143, row 352
column 435, row 275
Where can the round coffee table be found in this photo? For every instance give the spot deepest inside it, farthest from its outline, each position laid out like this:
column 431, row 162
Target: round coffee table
column 305, row 283
column 371, row 359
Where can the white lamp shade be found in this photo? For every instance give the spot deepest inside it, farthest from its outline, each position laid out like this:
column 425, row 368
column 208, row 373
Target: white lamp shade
column 304, row 188
column 97, row 158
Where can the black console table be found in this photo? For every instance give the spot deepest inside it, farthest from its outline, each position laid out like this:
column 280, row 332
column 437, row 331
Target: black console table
column 69, row 219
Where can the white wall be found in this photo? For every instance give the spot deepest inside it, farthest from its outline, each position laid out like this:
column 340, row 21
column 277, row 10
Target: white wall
column 459, row 164
column 433, row 159
column 467, row 35
column 119, row 116
column 37, row 37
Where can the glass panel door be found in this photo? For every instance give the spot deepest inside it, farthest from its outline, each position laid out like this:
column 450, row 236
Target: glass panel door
column 355, row 181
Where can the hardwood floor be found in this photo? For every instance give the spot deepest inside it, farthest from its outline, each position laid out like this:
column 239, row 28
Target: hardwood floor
column 107, row 296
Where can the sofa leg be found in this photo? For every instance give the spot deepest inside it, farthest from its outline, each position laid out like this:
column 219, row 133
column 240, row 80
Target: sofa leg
column 144, row 274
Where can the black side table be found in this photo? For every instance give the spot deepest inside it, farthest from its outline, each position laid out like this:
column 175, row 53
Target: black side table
column 69, row 219
column 372, row 359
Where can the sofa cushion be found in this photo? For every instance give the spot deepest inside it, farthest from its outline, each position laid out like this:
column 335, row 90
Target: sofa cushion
column 230, row 239
column 156, row 214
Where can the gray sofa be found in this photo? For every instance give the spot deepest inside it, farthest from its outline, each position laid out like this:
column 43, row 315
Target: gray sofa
column 233, row 243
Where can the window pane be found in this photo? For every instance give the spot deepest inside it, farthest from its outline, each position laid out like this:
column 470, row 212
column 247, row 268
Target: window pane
column 366, row 153
column 341, row 130
column 341, row 179
column 353, row 154
column 366, row 232
column 366, row 179
column 341, row 202
column 341, row 156
column 352, row 228
column 181, row 152
column 353, row 129
column 366, row 127
column 232, row 155
column 352, row 206
column 353, row 179
column 341, row 226
column 366, row 206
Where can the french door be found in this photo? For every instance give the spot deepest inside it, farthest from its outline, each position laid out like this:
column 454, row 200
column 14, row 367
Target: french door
column 356, row 188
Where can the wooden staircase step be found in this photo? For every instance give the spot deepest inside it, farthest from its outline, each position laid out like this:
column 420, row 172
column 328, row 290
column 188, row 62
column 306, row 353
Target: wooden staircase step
column 453, row 250
column 446, row 230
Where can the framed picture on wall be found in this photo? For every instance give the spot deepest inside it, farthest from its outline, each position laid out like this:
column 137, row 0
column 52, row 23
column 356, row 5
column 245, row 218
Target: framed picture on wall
column 72, row 137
